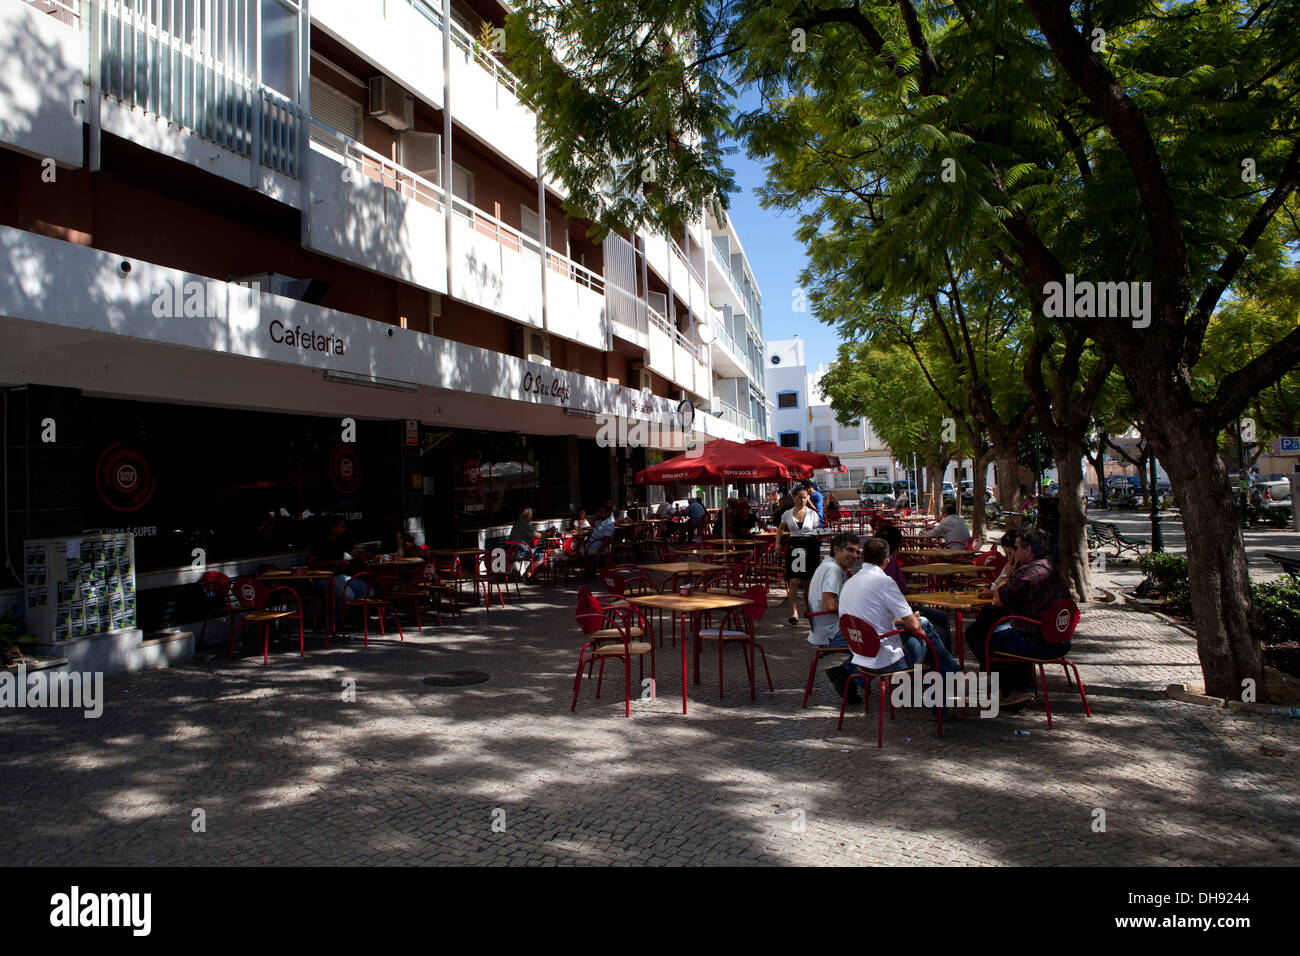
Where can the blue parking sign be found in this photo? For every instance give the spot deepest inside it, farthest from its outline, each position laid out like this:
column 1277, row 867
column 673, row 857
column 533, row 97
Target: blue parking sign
column 1290, row 444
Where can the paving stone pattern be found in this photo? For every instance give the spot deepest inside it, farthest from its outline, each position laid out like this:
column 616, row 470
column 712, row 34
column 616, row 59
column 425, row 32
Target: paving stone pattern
column 287, row 772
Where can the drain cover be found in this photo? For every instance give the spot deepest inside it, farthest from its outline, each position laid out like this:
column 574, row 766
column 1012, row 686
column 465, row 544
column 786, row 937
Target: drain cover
column 457, row 678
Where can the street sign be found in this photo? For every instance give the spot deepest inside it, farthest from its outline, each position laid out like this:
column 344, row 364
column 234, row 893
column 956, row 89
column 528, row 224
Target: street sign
column 1290, row 445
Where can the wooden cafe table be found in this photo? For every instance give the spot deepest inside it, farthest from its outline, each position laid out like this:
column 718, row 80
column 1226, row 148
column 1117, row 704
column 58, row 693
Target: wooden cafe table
column 938, row 571
column 932, row 554
column 687, row 608
column 718, row 554
column 957, row 602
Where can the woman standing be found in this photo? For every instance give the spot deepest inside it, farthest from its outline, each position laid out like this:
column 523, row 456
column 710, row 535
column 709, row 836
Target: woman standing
column 800, row 522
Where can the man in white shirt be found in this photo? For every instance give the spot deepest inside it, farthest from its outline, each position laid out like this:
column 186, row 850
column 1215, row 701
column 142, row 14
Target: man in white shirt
column 873, row 596
column 666, row 510
column 824, row 595
column 951, row 528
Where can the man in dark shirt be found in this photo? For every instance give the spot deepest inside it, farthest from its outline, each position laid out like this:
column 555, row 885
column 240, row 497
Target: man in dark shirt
column 1035, row 585
column 332, row 552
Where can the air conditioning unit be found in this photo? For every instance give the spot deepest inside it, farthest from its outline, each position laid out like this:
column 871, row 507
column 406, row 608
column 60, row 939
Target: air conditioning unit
column 538, row 347
column 391, row 104
column 422, row 154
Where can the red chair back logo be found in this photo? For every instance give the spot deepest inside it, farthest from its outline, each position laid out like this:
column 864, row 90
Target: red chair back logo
column 1059, row 621
column 428, row 572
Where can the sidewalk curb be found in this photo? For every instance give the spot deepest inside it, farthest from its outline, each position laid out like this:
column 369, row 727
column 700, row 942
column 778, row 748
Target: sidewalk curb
column 1180, row 692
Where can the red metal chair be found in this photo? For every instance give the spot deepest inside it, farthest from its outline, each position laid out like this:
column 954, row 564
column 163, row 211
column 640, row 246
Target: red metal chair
column 865, row 642
column 485, row 579
column 990, row 563
column 371, row 600
column 423, row 589
column 624, row 579
column 728, row 579
column 609, row 631
column 819, row 651
column 1056, row 626
column 215, row 586
column 253, row 597
column 744, row 619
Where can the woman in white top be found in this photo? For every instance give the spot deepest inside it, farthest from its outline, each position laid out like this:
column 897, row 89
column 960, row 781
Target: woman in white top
column 800, row 523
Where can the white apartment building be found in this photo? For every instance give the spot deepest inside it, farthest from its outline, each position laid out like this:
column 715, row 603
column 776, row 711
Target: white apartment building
column 235, row 224
column 802, row 418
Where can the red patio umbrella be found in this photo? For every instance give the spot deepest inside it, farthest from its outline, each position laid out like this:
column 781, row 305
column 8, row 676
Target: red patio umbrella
column 813, row 459
column 720, row 460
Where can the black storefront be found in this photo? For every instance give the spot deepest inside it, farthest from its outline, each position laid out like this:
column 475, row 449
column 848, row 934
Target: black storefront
column 229, row 486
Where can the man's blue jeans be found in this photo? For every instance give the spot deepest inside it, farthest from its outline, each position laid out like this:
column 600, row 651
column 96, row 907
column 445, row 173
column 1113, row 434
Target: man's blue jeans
column 915, row 652
column 1015, row 675
column 344, row 585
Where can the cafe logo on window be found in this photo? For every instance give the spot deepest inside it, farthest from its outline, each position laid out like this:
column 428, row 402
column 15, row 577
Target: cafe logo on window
column 345, row 469
column 123, row 478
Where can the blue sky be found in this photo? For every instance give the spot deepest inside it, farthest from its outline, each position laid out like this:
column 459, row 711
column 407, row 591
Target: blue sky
column 777, row 258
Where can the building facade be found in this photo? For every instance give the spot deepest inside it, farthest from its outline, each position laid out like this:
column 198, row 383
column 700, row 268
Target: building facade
column 271, row 259
column 803, row 418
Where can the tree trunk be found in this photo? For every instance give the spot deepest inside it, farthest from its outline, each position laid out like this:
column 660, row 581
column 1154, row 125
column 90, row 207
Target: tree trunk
column 934, row 470
column 1216, row 557
column 977, row 491
column 1073, row 536
column 1008, row 483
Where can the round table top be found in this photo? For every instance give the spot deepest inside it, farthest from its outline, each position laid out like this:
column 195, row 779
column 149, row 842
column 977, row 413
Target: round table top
column 957, row 600
column 942, row 568
column 936, row 552
column 698, row 601
column 676, row 567
column 720, row 552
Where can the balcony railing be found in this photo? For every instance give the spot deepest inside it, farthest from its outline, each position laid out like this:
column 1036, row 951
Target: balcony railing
column 573, row 270
column 822, row 447
column 508, row 237
column 145, row 67
column 681, row 257
column 734, row 416
column 484, row 58
column 364, row 161
column 65, row 11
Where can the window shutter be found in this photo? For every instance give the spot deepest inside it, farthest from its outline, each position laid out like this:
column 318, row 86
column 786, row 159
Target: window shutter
column 462, row 183
column 336, row 109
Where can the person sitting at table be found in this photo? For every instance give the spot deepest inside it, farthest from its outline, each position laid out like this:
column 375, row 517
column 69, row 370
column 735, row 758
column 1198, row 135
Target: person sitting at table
column 695, row 514
column 832, row 510
column 824, row 595
column 872, row 596
column 1033, row 587
column 406, row 546
column 894, row 538
column 332, row 553
column 951, row 529
column 666, row 510
column 579, row 521
column 744, row 521
column 601, row 532
column 726, row 519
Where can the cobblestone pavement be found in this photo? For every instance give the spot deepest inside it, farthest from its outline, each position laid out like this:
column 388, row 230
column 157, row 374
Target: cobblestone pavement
column 286, row 772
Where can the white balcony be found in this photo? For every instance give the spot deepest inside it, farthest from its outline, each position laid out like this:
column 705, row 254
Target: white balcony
column 495, row 266
column 575, row 301
column 403, row 38
column 368, row 210
column 42, row 91
column 484, row 99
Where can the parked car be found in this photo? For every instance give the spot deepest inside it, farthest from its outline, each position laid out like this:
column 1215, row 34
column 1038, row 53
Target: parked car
column 968, row 492
column 876, row 493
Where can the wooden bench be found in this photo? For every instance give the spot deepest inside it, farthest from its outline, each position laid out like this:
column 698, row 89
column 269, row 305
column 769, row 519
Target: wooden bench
column 1102, row 534
column 1290, row 563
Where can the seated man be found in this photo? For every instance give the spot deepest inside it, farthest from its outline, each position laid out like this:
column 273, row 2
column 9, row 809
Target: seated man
column 824, row 595
column 332, row 553
column 666, row 510
column 874, row 597
column 744, row 521
column 523, row 533
column 936, row 616
column 951, row 528
column 696, row 513
column 601, row 531
column 1034, row 586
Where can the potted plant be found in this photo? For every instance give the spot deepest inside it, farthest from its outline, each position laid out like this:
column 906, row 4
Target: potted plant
column 12, row 637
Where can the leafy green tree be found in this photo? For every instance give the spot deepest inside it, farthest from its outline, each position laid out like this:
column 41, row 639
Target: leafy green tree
column 1128, row 142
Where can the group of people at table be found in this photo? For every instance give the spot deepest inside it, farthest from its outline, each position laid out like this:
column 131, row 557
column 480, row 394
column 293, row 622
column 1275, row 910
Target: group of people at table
column 1026, row 586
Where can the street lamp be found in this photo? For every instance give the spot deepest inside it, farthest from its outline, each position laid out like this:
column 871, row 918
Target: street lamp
column 1157, row 536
